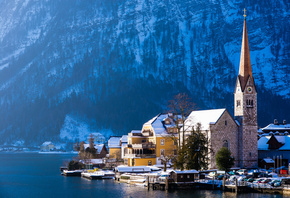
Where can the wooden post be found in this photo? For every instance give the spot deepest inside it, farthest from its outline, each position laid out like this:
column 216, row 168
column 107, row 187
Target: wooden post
column 213, row 182
column 236, row 188
column 166, row 183
column 224, row 183
column 147, row 181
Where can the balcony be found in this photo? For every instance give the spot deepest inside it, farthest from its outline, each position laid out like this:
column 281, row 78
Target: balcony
column 147, row 145
column 140, row 155
column 147, row 133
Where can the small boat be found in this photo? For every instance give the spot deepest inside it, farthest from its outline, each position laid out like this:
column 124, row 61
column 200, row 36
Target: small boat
column 98, row 175
column 108, row 175
column 93, row 175
column 72, row 173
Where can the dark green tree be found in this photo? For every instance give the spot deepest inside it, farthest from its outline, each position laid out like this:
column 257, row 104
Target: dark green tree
column 196, row 150
column 74, row 165
column 224, row 159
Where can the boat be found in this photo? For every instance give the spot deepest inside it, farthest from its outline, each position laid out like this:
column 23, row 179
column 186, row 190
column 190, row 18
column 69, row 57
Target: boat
column 98, row 175
column 72, row 172
column 108, row 175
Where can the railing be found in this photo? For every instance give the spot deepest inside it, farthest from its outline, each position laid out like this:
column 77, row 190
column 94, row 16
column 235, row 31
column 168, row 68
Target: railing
column 143, row 146
column 140, row 155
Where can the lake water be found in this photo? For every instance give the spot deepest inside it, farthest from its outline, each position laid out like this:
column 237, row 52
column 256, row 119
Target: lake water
column 37, row 175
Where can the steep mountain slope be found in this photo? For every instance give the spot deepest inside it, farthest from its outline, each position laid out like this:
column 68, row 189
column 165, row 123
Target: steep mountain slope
column 115, row 64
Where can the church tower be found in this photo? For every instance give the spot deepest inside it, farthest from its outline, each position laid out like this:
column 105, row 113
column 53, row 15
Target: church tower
column 245, row 107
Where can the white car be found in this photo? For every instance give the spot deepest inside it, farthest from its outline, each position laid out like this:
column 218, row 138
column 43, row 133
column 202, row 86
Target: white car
column 242, row 172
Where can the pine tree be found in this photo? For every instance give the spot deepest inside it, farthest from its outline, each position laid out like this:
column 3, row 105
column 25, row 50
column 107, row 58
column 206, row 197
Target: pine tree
column 224, row 160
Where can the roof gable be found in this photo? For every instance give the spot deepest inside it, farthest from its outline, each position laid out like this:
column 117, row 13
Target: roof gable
column 204, row 117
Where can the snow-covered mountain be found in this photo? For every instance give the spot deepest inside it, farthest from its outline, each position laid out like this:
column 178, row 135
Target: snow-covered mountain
column 112, row 65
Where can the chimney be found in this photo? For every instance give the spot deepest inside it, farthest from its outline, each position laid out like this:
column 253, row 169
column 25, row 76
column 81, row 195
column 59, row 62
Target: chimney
column 275, row 121
column 284, row 122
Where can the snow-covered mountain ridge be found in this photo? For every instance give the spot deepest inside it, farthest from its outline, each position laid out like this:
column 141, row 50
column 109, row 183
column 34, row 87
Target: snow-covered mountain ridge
column 114, row 64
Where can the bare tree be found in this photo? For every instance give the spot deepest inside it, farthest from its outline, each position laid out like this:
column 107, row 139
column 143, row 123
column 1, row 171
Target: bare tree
column 180, row 107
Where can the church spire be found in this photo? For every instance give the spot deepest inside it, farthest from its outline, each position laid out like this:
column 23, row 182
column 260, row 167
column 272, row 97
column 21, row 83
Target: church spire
column 245, row 62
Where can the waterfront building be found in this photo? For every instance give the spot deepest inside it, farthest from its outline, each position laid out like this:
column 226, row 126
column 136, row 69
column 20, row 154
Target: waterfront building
column 124, row 141
column 47, row 146
column 157, row 139
column 277, row 147
column 275, row 128
column 114, row 145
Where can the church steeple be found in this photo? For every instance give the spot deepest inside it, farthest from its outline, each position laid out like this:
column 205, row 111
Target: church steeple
column 245, row 107
column 245, row 70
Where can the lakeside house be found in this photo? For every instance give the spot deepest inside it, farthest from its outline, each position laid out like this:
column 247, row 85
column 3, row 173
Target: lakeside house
column 156, row 139
column 276, row 147
column 115, row 145
column 47, row 146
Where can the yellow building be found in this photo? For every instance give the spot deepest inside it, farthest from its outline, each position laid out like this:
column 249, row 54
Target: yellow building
column 155, row 141
column 114, row 145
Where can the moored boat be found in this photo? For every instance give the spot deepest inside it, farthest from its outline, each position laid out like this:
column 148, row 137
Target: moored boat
column 93, row 175
column 72, row 172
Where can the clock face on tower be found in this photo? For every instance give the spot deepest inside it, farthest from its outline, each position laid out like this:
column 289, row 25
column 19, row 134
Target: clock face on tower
column 249, row 89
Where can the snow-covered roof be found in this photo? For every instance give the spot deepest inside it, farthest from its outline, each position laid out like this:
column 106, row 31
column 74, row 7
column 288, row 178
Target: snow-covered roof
column 47, row 143
column 277, row 127
column 262, row 143
column 280, row 139
column 114, row 142
column 204, row 117
column 185, row 171
column 124, row 139
column 93, row 161
column 157, row 124
column 99, row 147
column 131, row 169
column 286, row 145
column 268, row 160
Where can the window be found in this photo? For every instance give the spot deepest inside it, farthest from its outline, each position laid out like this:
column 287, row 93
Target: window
column 162, row 152
column 249, row 103
column 250, row 154
column 149, row 162
column 226, row 144
column 188, row 176
column 181, row 176
column 170, row 130
column 226, row 123
column 143, row 141
column 174, row 152
column 162, row 141
column 238, row 103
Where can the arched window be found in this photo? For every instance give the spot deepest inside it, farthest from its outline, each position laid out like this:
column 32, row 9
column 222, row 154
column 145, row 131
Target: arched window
column 226, row 144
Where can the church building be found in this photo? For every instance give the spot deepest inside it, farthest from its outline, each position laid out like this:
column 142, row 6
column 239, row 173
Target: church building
column 239, row 133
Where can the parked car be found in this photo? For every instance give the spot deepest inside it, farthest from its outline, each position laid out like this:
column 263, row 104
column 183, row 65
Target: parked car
column 256, row 181
column 249, row 179
column 212, row 174
column 273, row 182
column 242, row 172
column 265, row 181
column 277, row 184
column 263, row 175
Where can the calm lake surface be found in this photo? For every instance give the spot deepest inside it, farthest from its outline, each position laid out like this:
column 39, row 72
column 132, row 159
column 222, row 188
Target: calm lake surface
column 38, row 175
